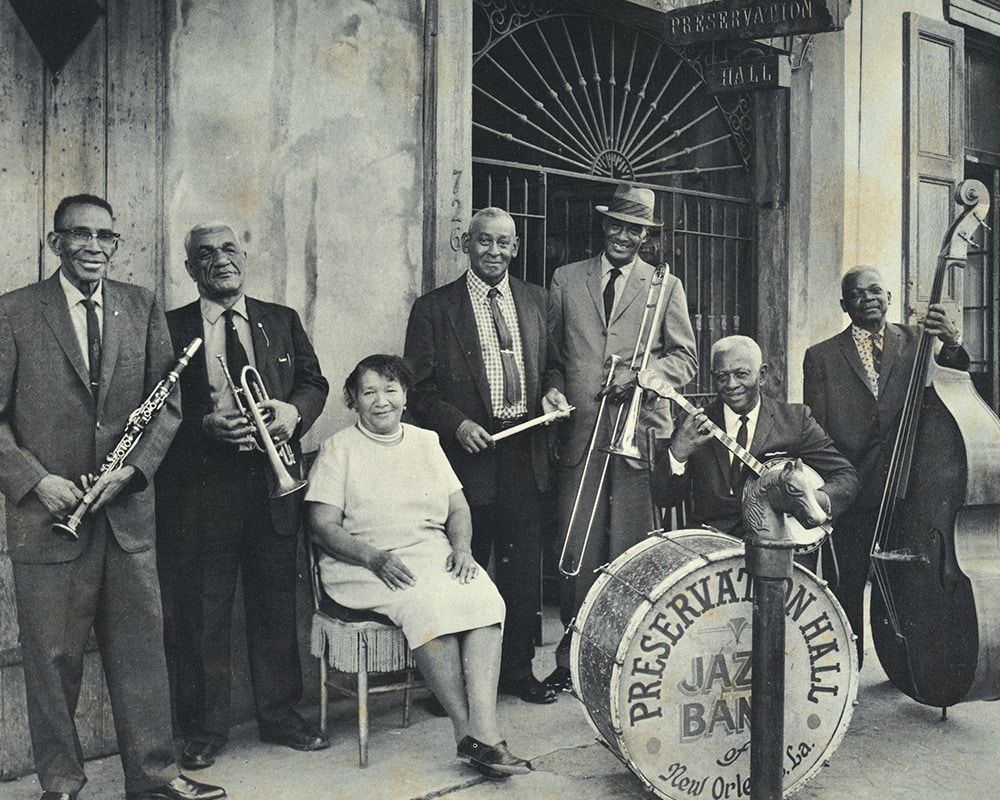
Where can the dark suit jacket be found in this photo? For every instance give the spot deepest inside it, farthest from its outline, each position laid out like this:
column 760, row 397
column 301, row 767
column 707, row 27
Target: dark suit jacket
column 442, row 346
column 290, row 371
column 782, row 429
column 50, row 422
column 863, row 428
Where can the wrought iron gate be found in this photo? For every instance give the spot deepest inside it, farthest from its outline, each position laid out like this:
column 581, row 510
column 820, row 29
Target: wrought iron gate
column 566, row 105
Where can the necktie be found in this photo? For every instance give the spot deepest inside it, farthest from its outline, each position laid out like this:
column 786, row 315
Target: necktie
column 609, row 293
column 236, row 354
column 93, row 344
column 736, row 467
column 511, row 378
column 876, row 340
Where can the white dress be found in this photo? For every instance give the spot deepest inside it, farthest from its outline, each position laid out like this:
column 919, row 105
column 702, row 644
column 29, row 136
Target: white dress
column 395, row 497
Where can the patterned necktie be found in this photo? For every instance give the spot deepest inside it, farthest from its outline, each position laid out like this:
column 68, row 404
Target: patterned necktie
column 511, row 377
column 93, row 344
column 876, row 342
column 736, row 467
column 236, row 354
column 609, row 293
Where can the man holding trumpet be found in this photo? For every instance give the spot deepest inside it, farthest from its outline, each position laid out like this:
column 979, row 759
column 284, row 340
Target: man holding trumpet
column 228, row 502
column 478, row 347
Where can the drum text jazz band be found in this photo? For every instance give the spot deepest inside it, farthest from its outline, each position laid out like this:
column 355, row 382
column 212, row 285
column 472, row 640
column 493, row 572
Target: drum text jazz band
column 428, row 509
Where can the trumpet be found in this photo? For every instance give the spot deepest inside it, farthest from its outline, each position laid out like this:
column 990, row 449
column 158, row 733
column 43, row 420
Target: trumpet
column 624, row 432
column 136, row 425
column 249, row 396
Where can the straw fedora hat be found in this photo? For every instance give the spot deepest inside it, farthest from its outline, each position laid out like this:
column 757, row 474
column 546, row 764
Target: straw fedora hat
column 631, row 204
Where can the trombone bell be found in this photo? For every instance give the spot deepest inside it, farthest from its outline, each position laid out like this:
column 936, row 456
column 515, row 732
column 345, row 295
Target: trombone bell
column 625, row 443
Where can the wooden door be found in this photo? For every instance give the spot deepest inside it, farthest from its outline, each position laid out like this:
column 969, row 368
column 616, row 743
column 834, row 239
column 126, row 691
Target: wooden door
column 933, row 154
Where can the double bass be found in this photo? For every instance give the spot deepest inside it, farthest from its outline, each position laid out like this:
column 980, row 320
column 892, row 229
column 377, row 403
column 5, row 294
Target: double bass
column 935, row 601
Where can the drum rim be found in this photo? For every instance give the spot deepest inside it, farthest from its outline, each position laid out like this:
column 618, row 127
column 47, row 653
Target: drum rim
column 635, row 619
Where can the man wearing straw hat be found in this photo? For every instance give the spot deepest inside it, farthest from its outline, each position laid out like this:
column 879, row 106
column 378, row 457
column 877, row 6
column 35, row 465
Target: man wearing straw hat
column 597, row 312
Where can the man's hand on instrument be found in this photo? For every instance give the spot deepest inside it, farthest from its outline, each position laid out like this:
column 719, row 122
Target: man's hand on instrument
column 285, row 418
column 691, row 434
column 57, row 494
column 473, row 438
column 110, row 485
column 462, row 565
column 391, row 570
column 554, row 400
column 937, row 323
column 228, row 426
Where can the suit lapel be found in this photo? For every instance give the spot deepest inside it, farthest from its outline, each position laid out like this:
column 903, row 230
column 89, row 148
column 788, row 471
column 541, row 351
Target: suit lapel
column 636, row 283
column 263, row 356
column 56, row 314
column 890, row 349
column 115, row 315
column 850, row 350
column 529, row 325
column 765, row 422
column 722, row 454
column 594, row 287
column 463, row 322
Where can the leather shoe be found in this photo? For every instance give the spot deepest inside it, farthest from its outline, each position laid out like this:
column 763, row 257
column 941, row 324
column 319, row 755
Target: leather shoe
column 529, row 689
column 294, row 736
column 489, row 773
column 69, row 795
column 198, row 755
column 180, row 788
column 560, row 680
column 497, row 757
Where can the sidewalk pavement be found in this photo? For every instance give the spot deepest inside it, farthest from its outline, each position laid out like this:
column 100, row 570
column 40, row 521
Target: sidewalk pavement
column 895, row 749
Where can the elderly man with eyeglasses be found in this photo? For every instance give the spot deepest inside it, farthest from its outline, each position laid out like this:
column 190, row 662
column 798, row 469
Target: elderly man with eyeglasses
column 597, row 311
column 78, row 353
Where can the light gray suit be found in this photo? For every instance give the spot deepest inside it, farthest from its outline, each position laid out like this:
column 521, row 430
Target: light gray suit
column 50, row 423
column 581, row 344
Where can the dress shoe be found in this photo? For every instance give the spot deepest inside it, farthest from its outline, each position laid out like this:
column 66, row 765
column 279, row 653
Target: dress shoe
column 497, row 757
column 72, row 795
column 529, row 689
column 180, row 788
column 489, row 773
column 295, row 736
column 198, row 755
column 560, row 680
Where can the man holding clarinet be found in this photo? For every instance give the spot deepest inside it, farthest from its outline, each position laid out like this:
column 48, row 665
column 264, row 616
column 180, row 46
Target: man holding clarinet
column 78, row 354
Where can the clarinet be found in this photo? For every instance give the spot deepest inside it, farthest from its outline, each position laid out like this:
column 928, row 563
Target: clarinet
column 137, row 423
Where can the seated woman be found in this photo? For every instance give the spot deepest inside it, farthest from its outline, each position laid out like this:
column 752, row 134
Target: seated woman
column 388, row 512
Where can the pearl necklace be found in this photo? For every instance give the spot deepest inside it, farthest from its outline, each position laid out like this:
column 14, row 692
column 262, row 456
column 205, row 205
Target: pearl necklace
column 384, row 438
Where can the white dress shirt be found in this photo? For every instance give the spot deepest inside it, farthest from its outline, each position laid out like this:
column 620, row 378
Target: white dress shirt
column 606, row 267
column 78, row 313
column 215, row 345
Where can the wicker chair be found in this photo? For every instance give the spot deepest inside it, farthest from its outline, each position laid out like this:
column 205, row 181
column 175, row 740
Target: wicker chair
column 359, row 644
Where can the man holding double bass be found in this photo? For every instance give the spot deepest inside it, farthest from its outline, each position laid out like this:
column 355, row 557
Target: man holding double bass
column 215, row 519
column 855, row 384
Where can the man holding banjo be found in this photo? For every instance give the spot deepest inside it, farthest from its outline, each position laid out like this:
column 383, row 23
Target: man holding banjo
column 478, row 349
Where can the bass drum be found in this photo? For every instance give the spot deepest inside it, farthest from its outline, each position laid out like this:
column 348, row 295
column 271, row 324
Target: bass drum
column 661, row 656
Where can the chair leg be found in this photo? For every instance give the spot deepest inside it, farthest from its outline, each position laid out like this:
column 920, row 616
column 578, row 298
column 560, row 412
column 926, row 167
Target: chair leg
column 362, row 700
column 407, row 699
column 324, row 693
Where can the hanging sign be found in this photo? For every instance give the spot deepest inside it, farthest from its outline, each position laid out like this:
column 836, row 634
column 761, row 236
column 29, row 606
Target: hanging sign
column 750, row 74
column 752, row 19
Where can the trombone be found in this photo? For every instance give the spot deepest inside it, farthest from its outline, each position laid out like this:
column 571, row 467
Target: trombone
column 249, row 396
column 624, row 433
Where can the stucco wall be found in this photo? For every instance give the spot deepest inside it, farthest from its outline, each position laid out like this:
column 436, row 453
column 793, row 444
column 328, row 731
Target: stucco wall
column 300, row 121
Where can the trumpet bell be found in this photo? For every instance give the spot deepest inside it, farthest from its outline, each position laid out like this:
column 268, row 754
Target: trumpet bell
column 67, row 530
column 287, row 485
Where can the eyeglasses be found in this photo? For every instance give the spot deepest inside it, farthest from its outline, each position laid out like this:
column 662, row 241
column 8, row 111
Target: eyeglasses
column 615, row 228
column 78, row 237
